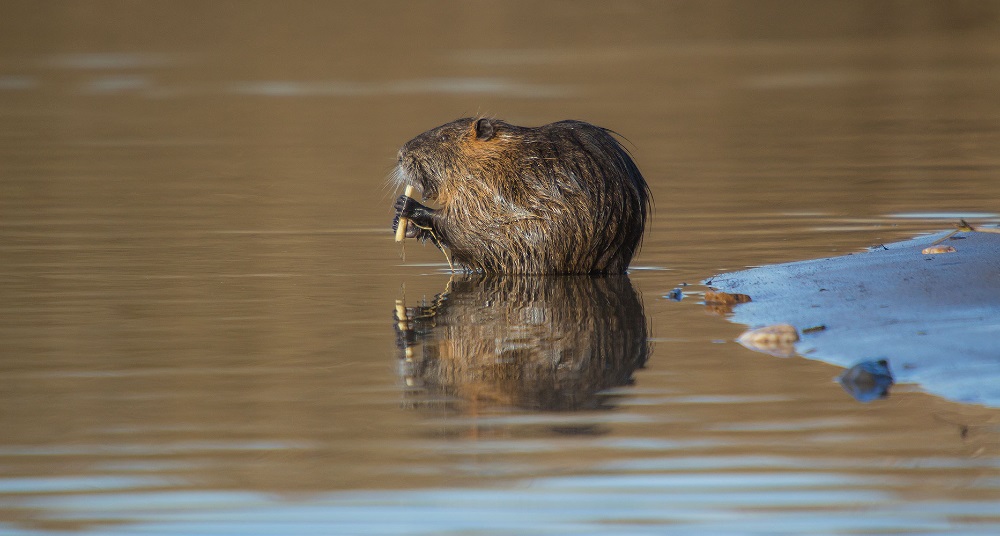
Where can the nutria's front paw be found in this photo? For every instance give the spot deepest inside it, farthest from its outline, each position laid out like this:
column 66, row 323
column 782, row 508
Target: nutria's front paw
column 412, row 231
column 420, row 217
column 403, row 207
column 407, row 207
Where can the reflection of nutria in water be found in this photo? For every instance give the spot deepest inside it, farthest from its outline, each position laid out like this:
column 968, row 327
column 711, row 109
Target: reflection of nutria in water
column 539, row 343
column 560, row 198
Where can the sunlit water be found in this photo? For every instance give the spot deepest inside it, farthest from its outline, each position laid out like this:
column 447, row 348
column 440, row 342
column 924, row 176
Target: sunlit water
column 199, row 320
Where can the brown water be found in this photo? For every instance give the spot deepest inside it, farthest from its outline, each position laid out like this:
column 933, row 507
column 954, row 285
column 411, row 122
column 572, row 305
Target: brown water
column 198, row 285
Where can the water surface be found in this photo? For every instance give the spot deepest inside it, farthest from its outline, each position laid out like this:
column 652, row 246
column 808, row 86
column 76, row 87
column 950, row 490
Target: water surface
column 199, row 288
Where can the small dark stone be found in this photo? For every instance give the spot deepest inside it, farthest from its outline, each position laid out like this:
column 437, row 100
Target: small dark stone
column 867, row 380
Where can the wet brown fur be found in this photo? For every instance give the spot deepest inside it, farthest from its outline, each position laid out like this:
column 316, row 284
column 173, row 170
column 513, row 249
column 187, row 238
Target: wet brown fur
column 561, row 198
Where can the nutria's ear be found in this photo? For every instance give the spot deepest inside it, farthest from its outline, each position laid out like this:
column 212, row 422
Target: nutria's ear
column 484, row 129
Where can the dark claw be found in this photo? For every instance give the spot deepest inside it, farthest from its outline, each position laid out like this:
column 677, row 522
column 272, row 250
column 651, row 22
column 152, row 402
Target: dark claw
column 404, row 206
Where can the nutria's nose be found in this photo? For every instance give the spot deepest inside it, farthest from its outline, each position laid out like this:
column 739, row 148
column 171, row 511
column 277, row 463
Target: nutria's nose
column 406, row 149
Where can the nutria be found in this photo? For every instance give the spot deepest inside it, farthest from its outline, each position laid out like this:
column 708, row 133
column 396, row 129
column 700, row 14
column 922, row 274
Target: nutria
column 561, row 198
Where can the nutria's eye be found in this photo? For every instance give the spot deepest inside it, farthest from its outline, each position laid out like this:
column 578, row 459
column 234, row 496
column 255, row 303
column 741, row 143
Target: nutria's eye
column 484, row 129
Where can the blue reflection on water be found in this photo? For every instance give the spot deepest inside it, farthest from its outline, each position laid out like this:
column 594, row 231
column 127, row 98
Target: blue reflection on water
column 732, row 503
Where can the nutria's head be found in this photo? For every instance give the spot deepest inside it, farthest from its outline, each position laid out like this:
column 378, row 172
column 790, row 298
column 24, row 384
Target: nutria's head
column 446, row 158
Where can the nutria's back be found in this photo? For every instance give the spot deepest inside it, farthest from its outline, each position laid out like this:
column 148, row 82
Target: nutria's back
column 561, row 198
